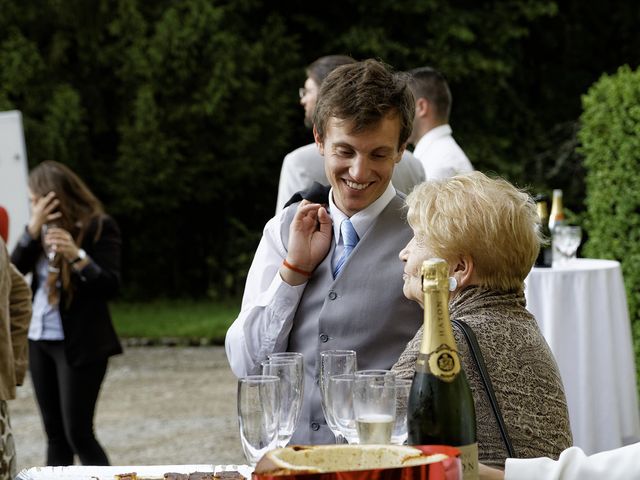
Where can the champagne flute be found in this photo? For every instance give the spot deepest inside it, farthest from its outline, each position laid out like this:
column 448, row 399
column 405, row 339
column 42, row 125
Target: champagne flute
column 290, row 373
column 340, row 404
column 258, row 414
column 399, row 433
column 374, row 403
column 299, row 358
column 334, row 362
column 49, row 248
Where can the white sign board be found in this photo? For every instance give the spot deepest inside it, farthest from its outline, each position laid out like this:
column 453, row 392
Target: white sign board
column 14, row 190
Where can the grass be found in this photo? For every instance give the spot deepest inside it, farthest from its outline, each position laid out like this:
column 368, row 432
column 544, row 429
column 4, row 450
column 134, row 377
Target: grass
column 179, row 319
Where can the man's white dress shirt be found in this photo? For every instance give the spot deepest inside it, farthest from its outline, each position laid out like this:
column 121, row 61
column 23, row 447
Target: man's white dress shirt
column 619, row 464
column 440, row 155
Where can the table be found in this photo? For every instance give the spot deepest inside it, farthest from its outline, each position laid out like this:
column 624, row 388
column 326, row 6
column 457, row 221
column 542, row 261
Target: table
column 581, row 309
column 76, row 472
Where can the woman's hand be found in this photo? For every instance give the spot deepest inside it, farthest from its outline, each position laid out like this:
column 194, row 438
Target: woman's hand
column 488, row 473
column 309, row 241
column 62, row 243
column 43, row 210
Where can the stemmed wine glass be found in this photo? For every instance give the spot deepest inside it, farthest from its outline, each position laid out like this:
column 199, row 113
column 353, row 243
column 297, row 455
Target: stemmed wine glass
column 340, row 404
column 258, row 414
column 334, row 362
column 290, row 372
column 49, row 249
column 566, row 240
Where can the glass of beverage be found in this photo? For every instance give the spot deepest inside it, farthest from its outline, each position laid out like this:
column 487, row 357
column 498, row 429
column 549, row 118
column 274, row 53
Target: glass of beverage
column 258, row 414
column 289, row 369
column 374, row 404
column 399, row 433
column 334, row 362
column 340, row 404
column 566, row 240
column 49, row 248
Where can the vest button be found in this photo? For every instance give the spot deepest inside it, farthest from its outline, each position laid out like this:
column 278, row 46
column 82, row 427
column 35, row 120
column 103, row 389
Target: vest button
column 315, row 426
column 324, row 338
column 333, row 295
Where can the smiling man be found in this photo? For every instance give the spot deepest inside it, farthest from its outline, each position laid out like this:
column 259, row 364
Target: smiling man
column 325, row 275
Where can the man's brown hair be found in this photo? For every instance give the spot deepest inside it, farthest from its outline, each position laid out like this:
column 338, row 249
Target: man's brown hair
column 363, row 93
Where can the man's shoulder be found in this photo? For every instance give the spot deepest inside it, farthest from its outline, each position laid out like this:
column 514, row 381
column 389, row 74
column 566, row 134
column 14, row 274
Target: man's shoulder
column 304, row 153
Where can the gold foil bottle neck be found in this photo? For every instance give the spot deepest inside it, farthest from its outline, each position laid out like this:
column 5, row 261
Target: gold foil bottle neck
column 435, row 275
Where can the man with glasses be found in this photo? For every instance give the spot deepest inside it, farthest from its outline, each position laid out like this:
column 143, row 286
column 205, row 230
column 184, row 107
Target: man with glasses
column 305, row 165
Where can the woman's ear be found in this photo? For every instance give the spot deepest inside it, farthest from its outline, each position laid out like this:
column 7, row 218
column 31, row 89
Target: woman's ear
column 463, row 271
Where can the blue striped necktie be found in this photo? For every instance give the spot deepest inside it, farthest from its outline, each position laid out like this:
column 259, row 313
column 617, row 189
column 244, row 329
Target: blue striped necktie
column 350, row 240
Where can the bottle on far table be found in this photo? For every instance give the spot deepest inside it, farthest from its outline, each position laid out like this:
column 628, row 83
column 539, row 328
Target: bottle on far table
column 545, row 254
column 441, row 409
column 556, row 218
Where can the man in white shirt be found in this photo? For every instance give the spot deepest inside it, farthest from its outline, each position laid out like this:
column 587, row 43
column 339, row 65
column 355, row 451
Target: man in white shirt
column 435, row 147
column 617, row 464
column 326, row 275
column 305, row 165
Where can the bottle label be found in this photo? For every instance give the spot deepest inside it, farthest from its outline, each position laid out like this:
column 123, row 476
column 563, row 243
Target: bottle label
column 469, row 460
column 444, row 363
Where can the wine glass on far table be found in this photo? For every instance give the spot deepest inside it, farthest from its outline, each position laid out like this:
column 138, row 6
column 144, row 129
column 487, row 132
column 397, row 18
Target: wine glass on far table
column 334, row 362
column 374, row 403
column 49, row 249
column 340, row 404
column 258, row 414
column 290, row 373
column 566, row 239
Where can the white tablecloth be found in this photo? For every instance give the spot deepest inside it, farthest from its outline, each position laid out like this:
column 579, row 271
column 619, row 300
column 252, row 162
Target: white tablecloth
column 582, row 311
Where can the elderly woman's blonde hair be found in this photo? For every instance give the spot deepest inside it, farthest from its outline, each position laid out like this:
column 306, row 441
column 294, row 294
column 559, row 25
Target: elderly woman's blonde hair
column 488, row 219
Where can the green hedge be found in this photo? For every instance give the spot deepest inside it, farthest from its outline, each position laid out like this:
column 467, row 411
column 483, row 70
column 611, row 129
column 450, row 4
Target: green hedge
column 610, row 136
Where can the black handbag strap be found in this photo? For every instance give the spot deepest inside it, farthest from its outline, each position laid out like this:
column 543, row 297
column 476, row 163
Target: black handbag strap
column 476, row 353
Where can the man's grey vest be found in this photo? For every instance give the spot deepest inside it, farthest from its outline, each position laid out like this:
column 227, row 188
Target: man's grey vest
column 363, row 309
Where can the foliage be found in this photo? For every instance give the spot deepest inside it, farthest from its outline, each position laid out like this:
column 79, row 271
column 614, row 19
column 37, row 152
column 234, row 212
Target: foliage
column 178, row 114
column 185, row 319
column 610, row 137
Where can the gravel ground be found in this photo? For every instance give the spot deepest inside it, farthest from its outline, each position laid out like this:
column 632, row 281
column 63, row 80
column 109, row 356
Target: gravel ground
column 158, row 406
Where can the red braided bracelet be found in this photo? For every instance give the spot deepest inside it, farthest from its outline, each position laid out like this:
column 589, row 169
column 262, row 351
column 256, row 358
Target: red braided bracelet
column 293, row 268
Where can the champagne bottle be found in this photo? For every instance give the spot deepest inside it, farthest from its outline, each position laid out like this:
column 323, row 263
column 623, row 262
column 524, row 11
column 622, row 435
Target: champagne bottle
column 544, row 255
column 441, row 408
column 557, row 210
column 556, row 218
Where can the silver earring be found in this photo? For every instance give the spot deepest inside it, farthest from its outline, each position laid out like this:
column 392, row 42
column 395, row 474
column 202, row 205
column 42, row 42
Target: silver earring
column 453, row 284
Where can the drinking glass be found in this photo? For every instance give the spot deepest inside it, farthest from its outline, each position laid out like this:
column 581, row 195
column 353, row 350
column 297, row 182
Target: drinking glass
column 290, row 372
column 340, row 404
column 334, row 362
column 299, row 358
column 400, row 433
column 258, row 414
column 374, row 403
column 49, row 249
column 566, row 240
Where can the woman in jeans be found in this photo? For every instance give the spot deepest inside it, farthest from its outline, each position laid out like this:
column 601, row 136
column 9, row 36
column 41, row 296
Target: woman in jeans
column 71, row 335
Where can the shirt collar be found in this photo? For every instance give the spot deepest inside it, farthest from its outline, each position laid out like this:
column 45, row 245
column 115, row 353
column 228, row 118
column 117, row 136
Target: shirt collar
column 363, row 219
column 430, row 137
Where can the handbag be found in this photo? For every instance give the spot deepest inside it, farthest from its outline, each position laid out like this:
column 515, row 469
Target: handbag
column 476, row 353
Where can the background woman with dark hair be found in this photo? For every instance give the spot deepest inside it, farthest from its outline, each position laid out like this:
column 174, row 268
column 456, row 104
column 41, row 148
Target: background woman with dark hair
column 71, row 335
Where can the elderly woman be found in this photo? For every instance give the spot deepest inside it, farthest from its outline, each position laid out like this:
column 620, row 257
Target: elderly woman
column 486, row 230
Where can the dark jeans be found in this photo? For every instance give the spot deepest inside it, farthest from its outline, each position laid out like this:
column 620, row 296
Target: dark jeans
column 67, row 398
